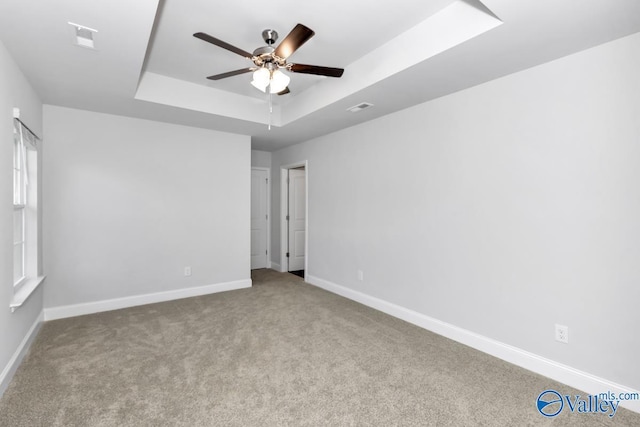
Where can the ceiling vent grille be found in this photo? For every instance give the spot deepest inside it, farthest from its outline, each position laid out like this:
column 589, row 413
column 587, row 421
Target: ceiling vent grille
column 84, row 35
column 360, row 107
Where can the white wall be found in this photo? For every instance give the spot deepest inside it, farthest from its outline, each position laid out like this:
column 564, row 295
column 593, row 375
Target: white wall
column 260, row 159
column 129, row 203
column 501, row 209
column 15, row 91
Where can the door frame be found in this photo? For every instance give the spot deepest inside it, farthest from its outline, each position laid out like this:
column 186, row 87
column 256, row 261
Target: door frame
column 268, row 208
column 284, row 227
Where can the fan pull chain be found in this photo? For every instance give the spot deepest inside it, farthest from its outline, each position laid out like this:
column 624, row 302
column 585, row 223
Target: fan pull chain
column 270, row 104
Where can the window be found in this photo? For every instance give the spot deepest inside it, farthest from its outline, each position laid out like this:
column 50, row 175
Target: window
column 25, row 213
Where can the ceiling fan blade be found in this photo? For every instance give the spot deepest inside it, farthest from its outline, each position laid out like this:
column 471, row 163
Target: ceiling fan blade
column 296, row 38
column 314, row 69
column 224, row 45
column 230, row 74
column 284, row 91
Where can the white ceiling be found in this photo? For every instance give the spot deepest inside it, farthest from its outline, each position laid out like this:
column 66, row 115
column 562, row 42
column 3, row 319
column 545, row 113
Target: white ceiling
column 148, row 65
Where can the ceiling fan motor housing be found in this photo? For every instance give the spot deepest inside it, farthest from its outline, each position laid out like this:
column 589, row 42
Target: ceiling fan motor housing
column 263, row 56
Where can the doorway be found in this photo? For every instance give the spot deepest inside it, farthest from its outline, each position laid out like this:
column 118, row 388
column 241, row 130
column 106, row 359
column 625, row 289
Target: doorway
column 294, row 224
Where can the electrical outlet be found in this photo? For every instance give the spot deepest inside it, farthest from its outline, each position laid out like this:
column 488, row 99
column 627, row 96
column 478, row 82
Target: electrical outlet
column 187, row 271
column 562, row 333
column 360, row 275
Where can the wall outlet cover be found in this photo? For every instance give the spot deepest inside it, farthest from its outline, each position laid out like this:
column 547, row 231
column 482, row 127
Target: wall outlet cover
column 562, row 333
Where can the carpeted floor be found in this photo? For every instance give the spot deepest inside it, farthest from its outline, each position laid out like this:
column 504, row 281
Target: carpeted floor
column 280, row 353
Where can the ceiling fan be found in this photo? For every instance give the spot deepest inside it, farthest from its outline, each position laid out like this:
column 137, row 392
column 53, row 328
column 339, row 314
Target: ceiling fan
column 269, row 61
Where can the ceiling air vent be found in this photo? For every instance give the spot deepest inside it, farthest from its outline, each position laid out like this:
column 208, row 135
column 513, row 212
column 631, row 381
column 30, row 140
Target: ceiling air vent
column 360, row 107
column 84, row 35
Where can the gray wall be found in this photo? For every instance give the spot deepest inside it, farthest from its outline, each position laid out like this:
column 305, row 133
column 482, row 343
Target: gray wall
column 501, row 209
column 260, row 159
column 15, row 91
column 129, row 203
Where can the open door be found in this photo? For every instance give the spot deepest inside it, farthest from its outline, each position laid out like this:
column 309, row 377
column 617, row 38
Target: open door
column 297, row 218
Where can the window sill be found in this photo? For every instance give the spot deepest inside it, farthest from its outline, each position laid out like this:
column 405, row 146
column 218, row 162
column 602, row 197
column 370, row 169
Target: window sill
column 25, row 291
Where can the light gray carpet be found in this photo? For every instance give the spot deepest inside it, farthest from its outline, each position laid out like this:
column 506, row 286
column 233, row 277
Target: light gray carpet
column 280, row 353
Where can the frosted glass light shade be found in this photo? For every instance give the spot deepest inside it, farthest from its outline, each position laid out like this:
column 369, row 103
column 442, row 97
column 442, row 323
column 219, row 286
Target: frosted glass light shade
column 259, row 86
column 261, row 76
column 279, row 81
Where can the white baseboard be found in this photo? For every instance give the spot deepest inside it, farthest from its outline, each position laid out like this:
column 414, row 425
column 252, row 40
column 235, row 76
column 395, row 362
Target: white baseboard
column 275, row 266
column 62, row 312
column 12, row 366
column 530, row 361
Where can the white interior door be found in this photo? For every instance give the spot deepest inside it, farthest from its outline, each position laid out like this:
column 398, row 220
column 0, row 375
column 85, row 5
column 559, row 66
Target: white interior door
column 259, row 218
column 297, row 218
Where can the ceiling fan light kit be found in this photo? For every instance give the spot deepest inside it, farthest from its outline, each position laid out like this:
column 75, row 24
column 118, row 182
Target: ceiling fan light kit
column 276, row 81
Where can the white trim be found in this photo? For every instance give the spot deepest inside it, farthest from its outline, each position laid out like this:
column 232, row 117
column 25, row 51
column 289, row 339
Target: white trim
column 12, row 366
column 530, row 361
column 284, row 242
column 24, row 291
column 275, row 266
column 268, row 208
column 65, row 311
